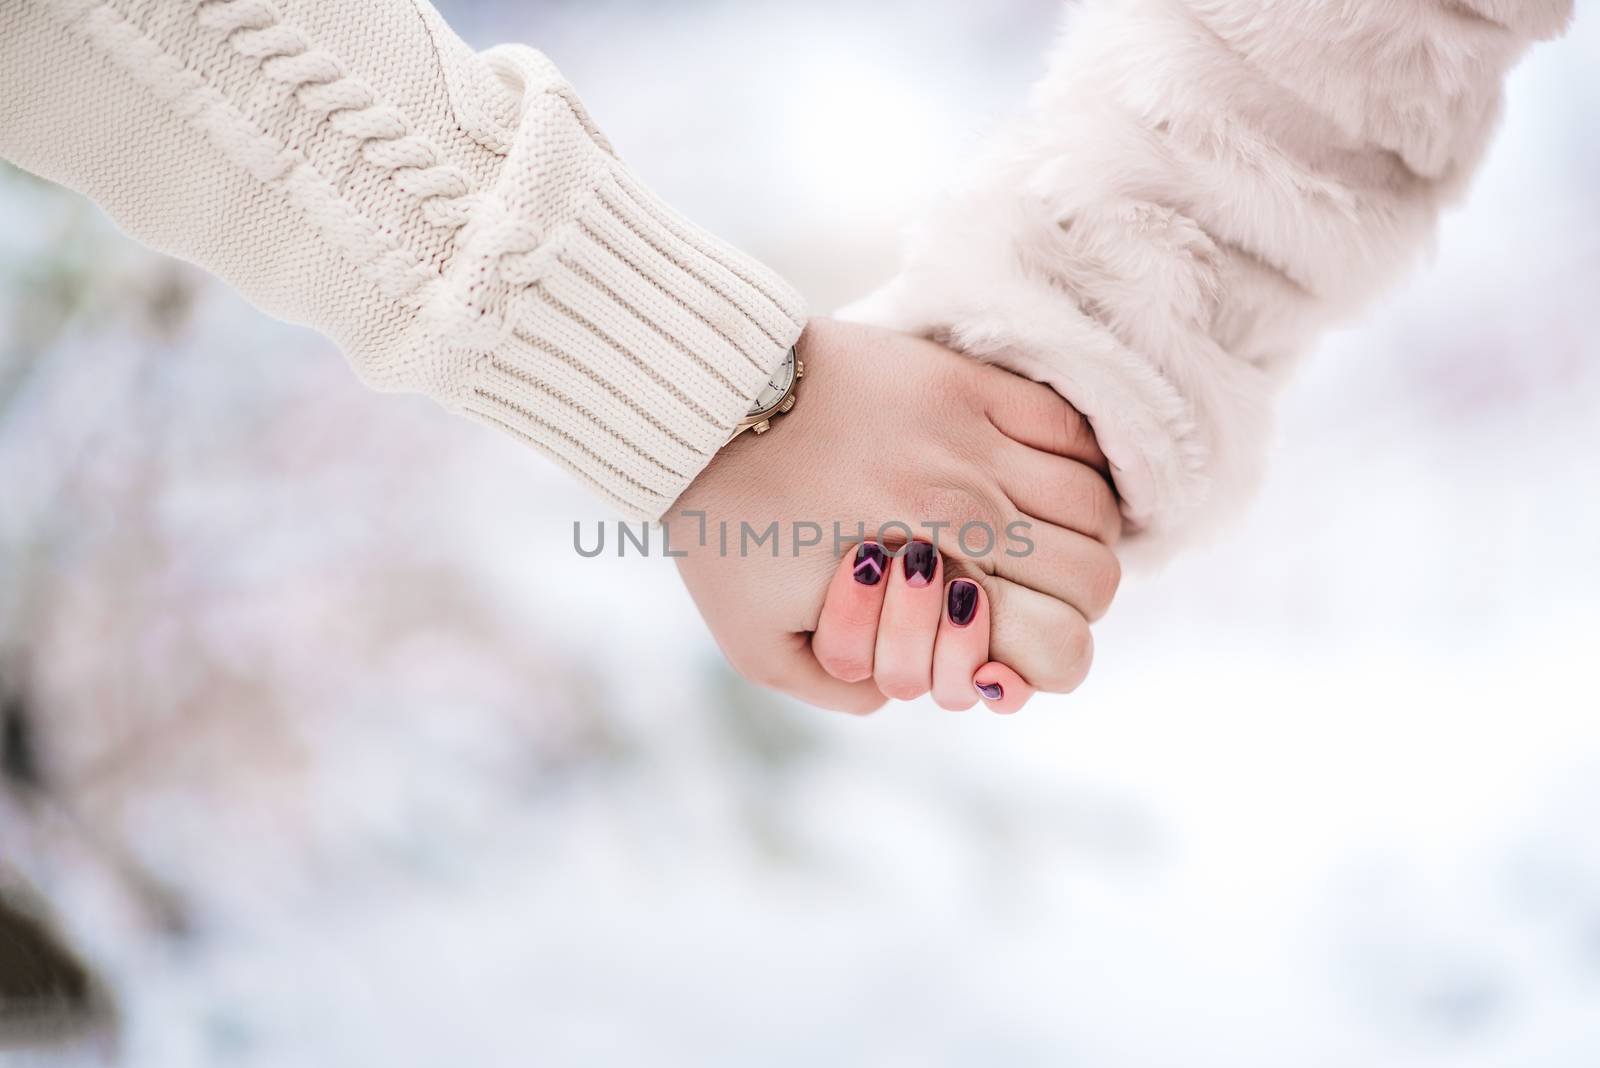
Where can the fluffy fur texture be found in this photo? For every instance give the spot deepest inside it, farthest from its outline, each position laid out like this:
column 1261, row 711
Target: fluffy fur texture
column 1196, row 190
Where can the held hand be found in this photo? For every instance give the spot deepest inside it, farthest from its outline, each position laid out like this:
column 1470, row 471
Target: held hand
column 893, row 429
column 891, row 614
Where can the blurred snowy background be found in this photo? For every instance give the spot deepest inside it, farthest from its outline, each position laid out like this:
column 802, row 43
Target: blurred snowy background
column 321, row 747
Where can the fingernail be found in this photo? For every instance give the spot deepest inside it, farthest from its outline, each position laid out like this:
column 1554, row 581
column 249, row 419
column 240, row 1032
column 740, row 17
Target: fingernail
column 962, row 602
column 869, row 564
column 920, row 561
column 991, row 691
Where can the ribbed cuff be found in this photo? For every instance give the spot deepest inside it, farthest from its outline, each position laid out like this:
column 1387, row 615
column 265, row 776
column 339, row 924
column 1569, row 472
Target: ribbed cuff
column 637, row 348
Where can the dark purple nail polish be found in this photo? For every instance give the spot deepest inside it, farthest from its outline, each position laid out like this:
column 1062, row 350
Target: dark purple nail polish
column 992, row 691
column 870, row 562
column 962, row 602
column 920, row 560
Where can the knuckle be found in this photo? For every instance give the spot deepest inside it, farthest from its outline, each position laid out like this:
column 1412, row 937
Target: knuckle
column 1098, row 501
column 1071, row 651
column 1108, row 516
column 1065, row 431
column 1087, row 499
column 1104, row 579
column 1094, row 504
column 1069, row 430
column 1078, row 435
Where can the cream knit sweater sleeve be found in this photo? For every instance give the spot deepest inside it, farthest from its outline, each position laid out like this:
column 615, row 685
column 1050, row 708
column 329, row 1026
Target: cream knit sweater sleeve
column 454, row 221
column 1198, row 188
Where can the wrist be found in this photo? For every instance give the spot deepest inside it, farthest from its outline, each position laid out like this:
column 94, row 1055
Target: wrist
column 635, row 345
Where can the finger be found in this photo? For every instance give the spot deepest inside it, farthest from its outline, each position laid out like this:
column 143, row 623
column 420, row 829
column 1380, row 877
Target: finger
column 1039, row 418
column 1062, row 564
column 962, row 645
column 847, row 630
column 807, row 681
column 903, row 657
column 1044, row 640
column 786, row 662
column 1065, row 492
column 1002, row 689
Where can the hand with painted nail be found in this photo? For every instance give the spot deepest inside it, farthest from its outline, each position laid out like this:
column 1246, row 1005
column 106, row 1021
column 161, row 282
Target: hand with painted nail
column 893, row 616
column 896, row 429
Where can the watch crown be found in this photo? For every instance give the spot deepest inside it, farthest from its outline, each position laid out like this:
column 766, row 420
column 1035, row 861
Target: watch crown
column 788, row 402
column 761, row 427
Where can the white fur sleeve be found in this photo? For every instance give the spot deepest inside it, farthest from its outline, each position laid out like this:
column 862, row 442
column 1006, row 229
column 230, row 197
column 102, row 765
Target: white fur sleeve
column 1197, row 188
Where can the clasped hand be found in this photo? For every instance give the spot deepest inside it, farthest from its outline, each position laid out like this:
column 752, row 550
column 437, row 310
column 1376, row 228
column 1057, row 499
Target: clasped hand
column 900, row 435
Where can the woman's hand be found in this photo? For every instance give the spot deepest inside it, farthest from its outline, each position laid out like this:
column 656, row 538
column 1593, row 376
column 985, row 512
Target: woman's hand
column 893, row 429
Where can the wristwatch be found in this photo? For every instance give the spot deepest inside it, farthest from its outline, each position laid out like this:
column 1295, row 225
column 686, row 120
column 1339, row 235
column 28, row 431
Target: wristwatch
column 775, row 398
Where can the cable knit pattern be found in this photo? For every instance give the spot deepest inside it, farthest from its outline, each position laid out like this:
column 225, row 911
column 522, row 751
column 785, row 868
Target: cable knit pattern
column 1198, row 188
column 455, row 221
column 256, row 30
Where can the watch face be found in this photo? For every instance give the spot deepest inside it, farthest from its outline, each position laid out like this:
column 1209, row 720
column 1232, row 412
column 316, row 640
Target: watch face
column 776, row 386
